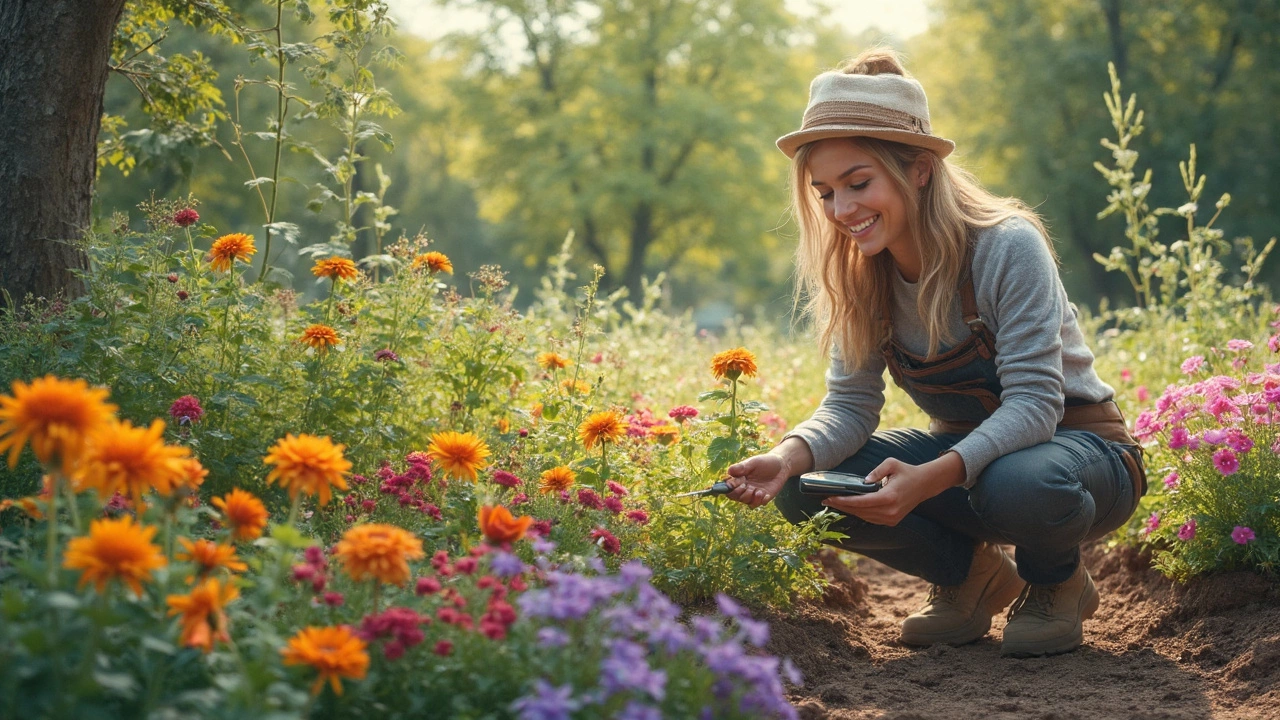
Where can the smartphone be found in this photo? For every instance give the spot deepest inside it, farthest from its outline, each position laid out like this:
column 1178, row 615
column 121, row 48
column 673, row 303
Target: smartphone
column 828, row 483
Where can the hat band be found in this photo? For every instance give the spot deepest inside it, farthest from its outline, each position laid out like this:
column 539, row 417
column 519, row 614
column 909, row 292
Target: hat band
column 852, row 112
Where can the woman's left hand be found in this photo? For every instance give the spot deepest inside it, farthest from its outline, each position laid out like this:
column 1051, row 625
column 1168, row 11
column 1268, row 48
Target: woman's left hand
column 904, row 486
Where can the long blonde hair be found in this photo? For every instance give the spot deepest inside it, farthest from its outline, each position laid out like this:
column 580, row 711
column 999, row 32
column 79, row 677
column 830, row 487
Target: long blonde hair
column 845, row 293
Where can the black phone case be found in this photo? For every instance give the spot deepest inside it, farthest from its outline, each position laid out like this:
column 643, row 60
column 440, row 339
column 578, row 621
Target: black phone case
column 832, row 484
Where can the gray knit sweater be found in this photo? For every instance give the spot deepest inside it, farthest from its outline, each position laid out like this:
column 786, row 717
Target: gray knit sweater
column 1041, row 357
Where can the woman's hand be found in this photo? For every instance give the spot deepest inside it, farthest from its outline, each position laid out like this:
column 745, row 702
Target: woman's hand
column 904, row 486
column 757, row 480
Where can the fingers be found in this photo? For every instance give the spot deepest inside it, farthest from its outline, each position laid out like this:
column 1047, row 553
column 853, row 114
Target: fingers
column 884, row 470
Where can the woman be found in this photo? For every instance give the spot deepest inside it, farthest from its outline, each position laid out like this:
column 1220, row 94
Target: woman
column 908, row 264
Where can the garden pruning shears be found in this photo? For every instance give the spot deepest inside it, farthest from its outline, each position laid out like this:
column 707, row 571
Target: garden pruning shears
column 720, row 488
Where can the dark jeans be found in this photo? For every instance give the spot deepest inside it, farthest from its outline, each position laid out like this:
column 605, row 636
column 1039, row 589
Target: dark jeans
column 1044, row 500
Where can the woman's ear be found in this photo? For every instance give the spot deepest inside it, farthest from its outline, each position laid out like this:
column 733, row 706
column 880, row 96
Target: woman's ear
column 922, row 170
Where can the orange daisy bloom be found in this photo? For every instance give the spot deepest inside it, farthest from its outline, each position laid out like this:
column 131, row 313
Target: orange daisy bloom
column 193, row 475
column 733, row 363
column 229, row 248
column 205, row 603
column 604, row 426
column 26, row 504
column 379, row 551
column 335, row 652
column 666, row 433
column 210, row 556
column 115, row 549
column 500, row 526
column 552, row 361
column 320, row 337
column 460, row 454
column 56, row 416
column 556, row 479
column 244, row 513
column 434, row 262
column 335, row 268
column 309, row 464
column 131, row 460
column 578, row 387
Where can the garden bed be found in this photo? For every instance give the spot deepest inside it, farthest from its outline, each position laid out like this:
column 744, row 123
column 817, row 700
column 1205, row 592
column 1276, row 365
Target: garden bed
column 1207, row 649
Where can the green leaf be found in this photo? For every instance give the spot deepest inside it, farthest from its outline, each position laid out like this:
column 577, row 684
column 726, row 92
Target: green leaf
column 714, row 395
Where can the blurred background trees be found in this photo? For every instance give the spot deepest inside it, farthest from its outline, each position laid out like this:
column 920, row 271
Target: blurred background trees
column 646, row 127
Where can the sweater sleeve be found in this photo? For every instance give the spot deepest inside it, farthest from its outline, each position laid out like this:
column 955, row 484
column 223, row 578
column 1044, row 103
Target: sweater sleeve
column 847, row 415
column 1017, row 282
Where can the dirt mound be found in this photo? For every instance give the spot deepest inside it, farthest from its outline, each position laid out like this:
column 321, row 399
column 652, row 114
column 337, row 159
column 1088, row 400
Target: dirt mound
column 1208, row 649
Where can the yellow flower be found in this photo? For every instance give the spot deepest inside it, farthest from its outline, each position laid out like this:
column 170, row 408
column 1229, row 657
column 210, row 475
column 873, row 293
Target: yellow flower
column 56, row 416
column 243, row 513
column 193, row 475
column 335, row 652
column 309, row 464
column 503, row 425
column 666, row 433
column 433, row 261
column 335, row 268
column 205, row 603
column 552, row 361
column 115, row 549
column 130, row 460
column 229, row 248
column 378, row 551
column 556, row 479
column 210, row 556
column 320, row 337
column 604, row 426
column 460, row 454
column 578, row 387
column 733, row 363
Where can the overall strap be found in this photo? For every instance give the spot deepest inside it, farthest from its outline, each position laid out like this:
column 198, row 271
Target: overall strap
column 969, row 307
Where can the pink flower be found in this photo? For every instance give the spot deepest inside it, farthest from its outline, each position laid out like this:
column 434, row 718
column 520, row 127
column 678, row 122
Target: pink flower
column 1153, row 522
column 1226, row 461
column 1271, row 395
column 443, row 648
column 1188, row 530
column 639, row 517
column 616, row 488
column 186, row 409
column 426, row 586
column 1171, row 480
column 1273, row 343
column 185, row 217
column 1238, row 345
column 386, row 355
column 333, row 598
column 1192, row 364
column 1178, row 438
column 613, row 504
column 606, row 540
column 505, row 479
column 1143, row 394
column 1219, row 405
column 681, row 413
column 1215, row 436
column 1238, row 441
column 519, row 499
column 1126, row 375
column 589, row 499
column 1242, row 535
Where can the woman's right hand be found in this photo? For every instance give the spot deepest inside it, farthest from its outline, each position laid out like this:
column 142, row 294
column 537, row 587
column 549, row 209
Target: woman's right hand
column 758, row 479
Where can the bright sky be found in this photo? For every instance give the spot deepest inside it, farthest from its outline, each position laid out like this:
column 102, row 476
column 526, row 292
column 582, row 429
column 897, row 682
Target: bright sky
column 902, row 18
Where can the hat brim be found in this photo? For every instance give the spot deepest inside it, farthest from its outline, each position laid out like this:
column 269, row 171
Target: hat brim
column 790, row 143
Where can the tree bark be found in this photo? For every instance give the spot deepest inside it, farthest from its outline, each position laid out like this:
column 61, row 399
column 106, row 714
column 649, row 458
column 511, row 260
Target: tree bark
column 1119, row 50
column 53, row 72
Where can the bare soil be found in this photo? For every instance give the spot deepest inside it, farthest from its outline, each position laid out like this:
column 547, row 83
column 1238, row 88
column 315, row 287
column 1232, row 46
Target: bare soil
column 1155, row 650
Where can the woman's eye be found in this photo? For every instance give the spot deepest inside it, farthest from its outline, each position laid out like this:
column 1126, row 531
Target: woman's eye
column 826, row 196
column 861, row 186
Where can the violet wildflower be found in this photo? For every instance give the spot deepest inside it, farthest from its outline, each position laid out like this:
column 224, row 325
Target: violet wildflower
column 1243, row 535
column 549, row 637
column 1188, row 530
column 626, row 668
column 635, row 710
column 547, row 702
column 1215, row 436
column 505, row 564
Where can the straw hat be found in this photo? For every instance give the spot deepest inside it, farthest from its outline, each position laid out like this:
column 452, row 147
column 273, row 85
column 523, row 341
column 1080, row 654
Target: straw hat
column 884, row 106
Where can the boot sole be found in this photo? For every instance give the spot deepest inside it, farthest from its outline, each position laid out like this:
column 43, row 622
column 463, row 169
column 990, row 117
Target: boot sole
column 980, row 625
column 1056, row 646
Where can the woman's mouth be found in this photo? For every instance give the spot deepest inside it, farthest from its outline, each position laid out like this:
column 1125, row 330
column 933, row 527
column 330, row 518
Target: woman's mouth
column 862, row 227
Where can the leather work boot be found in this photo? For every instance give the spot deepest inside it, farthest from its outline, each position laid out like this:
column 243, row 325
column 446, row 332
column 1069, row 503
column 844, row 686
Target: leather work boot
column 1049, row 619
column 959, row 614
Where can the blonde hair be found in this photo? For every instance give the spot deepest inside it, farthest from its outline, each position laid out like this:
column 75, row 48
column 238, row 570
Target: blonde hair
column 845, row 293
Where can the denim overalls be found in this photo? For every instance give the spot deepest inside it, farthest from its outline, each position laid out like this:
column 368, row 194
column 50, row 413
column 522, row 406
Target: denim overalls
column 1045, row 500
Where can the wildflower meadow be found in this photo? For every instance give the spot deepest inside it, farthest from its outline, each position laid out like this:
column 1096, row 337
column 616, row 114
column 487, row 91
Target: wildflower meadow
column 414, row 489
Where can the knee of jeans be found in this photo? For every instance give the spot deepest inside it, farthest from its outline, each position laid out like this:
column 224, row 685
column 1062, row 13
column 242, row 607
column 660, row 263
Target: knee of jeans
column 795, row 506
column 1034, row 506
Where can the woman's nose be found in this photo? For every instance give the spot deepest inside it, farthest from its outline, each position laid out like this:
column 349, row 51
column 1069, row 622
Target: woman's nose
column 845, row 208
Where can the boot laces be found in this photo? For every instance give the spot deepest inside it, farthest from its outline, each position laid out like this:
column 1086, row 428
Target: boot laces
column 1034, row 600
column 942, row 594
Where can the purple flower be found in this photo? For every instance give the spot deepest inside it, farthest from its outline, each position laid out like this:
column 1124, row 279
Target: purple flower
column 1226, row 461
column 729, row 606
column 542, row 546
column 755, row 632
column 547, row 702
column 1238, row 441
column 1178, row 438
column 386, row 355
column 670, row 636
column 792, row 672
column 1188, row 530
column 633, row 572
column 706, row 630
column 1192, row 364
column 1242, row 535
column 1153, row 523
column 505, row 564
column 626, row 668
column 552, row 637
column 637, row 711
column 1215, row 436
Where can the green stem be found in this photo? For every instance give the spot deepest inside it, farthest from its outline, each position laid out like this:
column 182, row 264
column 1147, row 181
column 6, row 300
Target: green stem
column 604, row 462
column 55, row 478
column 377, row 595
column 280, row 112
column 733, row 410
column 293, row 509
column 71, row 503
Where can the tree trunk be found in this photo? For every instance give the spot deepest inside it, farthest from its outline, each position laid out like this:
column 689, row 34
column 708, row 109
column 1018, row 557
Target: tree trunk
column 53, row 72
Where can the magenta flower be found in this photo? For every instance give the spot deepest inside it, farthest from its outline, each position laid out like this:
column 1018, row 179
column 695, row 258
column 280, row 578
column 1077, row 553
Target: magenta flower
column 1242, row 535
column 505, row 479
column 1171, row 481
column 616, row 488
column 1188, row 530
column 683, row 412
column 1143, row 394
column 639, row 517
column 1215, row 436
column 1192, row 364
column 608, row 541
column 1153, row 523
column 1226, row 461
column 185, row 217
column 1273, row 343
column 386, row 355
column 186, row 409
column 1238, row 345
column 1239, row 442
column 1178, row 438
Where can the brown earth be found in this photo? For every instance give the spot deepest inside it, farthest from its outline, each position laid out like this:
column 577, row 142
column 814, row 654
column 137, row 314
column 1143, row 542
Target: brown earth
column 1155, row 650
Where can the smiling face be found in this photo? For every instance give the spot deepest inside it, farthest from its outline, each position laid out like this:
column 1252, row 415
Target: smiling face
column 861, row 197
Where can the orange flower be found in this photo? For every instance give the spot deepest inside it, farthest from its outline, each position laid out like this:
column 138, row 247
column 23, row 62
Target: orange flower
column 500, row 526
column 320, row 337
column 115, row 549
column 244, row 513
column 335, row 652
column 309, row 464
column 229, row 248
column 131, row 460
column 577, row 387
column 552, row 361
column 205, row 603
column 503, row 425
column 335, row 268
column 666, row 433
column 56, row 416
column 733, row 363
column 556, row 479
column 378, row 551
column 210, row 556
column 604, row 426
column 193, row 475
column 460, row 454
column 26, row 504
column 434, row 262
